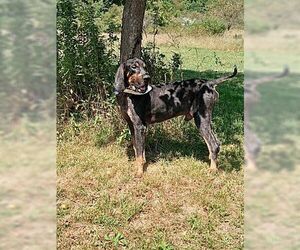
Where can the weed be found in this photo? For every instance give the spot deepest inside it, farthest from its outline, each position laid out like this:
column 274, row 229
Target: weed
column 116, row 239
column 130, row 209
column 124, row 136
column 104, row 136
column 107, row 221
column 164, row 246
column 194, row 222
column 161, row 242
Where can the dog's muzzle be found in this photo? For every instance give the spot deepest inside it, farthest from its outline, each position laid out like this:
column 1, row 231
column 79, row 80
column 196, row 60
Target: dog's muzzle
column 133, row 92
column 140, row 89
column 143, row 86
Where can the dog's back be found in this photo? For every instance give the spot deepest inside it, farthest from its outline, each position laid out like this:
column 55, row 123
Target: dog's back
column 175, row 99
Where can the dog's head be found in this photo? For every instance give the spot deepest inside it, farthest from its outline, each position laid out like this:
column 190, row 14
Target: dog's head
column 133, row 75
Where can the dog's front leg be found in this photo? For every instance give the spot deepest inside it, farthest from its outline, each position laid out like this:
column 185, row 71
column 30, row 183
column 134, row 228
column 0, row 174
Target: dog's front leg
column 138, row 132
column 139, row 148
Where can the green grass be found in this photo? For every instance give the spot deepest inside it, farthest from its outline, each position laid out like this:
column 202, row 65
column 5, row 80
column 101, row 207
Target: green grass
column 98, row 197
column 179, row 203
column 271, row 193
column 27, row 195
column 202, row 60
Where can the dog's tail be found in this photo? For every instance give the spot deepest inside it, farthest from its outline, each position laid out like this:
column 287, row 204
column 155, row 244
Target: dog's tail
column 259, row 81
column 223, row 78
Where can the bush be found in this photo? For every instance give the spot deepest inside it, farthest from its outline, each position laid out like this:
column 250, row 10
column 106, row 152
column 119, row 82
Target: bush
column 231, row 12
column 196, row 5
column 158, row 67
column 159, row 13
column 86, row 62
column 111, row 18
column 213, row 26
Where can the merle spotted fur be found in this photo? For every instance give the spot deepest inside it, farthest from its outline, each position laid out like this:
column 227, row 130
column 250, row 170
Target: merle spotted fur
column 193, row 98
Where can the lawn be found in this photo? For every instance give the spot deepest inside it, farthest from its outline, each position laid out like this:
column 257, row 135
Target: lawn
column 27, row 177
column 271, row 193
column 179, row 203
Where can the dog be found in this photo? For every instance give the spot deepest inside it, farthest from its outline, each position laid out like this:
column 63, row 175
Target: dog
column 142, row 104
column 252, row 97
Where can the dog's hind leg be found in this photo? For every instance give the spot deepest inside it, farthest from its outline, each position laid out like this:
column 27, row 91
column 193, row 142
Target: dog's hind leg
column 203, row 123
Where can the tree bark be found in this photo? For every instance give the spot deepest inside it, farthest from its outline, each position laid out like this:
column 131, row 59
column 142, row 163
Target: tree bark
column 132, row 29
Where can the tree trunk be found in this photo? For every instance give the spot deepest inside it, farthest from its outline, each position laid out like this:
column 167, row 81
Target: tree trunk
column 132, row 29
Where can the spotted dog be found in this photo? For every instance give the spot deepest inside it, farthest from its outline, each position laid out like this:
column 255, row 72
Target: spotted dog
column 142, row 104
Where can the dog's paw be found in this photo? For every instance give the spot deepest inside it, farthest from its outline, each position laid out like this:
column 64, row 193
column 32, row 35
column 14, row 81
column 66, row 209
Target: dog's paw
column 213, row 166
column 139, row 174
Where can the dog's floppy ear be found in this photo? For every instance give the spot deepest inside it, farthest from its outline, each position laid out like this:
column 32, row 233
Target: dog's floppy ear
column 120, row 78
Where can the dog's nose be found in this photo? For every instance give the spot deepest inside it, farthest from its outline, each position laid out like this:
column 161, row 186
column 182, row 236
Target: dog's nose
column 146, row 76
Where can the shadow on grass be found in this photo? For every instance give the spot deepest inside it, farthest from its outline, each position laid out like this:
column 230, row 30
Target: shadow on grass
column 177, row 138
column 276, row 120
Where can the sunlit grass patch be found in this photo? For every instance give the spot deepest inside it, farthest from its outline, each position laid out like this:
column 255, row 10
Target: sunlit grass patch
column 103, row 204
column 229, row 41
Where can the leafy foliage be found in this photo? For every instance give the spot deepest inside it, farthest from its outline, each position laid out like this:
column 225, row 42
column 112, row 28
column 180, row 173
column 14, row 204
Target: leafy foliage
column 204, row 16
column 158, row 67
column 160, row 12
column 111, row 20
column 86, row 61
column 27, row 61
column 229, row 11
column 213, row 26
column 196, row 5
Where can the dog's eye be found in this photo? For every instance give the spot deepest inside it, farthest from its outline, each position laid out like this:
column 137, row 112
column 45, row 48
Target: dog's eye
column 133, row 66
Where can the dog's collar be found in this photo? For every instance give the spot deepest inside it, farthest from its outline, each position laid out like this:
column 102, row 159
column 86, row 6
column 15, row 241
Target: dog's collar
column 132, row 92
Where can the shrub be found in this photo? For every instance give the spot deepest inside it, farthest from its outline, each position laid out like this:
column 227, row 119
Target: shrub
column 111, row 18
column 231, row 12
column 86, row 62
column 159, row 68
column 159, row 14
column 213, row 26
column 196, row 5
